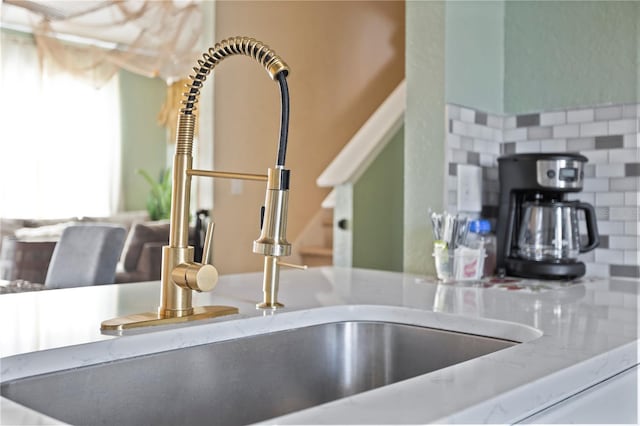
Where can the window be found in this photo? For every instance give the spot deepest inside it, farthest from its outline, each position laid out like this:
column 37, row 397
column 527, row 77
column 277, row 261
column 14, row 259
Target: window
column 59, row 140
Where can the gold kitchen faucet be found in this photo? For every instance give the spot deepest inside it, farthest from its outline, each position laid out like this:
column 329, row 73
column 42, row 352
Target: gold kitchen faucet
column 180, row 274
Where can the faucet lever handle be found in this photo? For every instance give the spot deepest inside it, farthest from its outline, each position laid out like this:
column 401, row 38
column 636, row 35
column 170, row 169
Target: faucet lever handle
column 207, row 249
column 292, row 265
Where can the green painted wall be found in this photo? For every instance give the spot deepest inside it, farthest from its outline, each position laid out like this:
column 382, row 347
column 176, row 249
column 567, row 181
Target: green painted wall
column 378, row 210
column 565, row 54
column 424, row 154
column 474, row 61
column 143, row 140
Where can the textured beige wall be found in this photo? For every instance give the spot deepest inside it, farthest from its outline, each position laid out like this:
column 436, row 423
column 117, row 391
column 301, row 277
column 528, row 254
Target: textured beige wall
column 345, row 59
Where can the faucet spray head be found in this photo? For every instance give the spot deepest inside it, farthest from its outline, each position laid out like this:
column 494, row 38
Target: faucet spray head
column 273, row 239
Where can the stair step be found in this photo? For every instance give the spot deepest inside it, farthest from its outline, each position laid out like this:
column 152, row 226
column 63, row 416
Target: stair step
column 316, row 251
column 316, row 256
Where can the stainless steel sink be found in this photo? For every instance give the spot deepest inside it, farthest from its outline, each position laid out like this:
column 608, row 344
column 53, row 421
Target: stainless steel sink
column 248, row 379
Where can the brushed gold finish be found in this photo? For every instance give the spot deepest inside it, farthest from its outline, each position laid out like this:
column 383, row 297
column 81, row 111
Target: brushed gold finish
column 270, row 283
column 292, row 265
column 259, row 51
column 175, row 300
column 195, row 276
column 272, row 242
column 147, row 319
column 180, row 274
column 273, row 239
column 227, row 175
column 207, row 249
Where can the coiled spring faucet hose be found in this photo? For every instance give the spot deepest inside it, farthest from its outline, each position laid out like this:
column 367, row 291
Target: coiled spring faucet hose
column 275, row 66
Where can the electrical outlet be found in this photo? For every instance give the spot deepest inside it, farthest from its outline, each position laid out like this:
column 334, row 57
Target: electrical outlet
column 469, row 188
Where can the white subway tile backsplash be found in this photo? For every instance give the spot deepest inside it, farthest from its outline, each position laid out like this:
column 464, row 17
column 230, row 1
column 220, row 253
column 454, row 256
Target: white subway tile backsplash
column 609, row 170
column 492, row 174
column 514, row 135
column 467, row 115
column 539, row 132
column 495, row 121
column 632, row 257
column 585, row 197
column 610, row 199
column 623, row 213
column 479, row 145
column 620, row 127
column 486, row 133
column 602, row 213
column 553, row 118
column 452, row 182
column 510, row 122
column 466, row 143
column 553, row 145
column 589, row 170
column 625, row 184
column 458, row 156
column 580, row 115
column 597, row 128
column 498, row 135
column 608, row 113
column 589, row 256
column 607, row 227
column 475, row 131
column 598, row 156
column 630, row 302
column 461, row 128
column 494, row 148
column 631, row 228
column 596, row 184
column 581, row 144
column 566, row 131
column 488, row 160
column 631, row 198
column 527, row 146
column 597, row 270
column 453, row 112
column 607, row 135
column 630, row 111
column 631, row 140
column 624, row 155
column 623, row 242
column 453, row 141
column 608, row 256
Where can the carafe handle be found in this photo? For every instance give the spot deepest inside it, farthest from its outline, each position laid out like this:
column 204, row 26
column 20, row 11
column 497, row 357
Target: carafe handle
column 592, row 227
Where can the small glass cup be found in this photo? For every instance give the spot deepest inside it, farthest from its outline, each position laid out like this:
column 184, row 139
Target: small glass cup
column 462, row 264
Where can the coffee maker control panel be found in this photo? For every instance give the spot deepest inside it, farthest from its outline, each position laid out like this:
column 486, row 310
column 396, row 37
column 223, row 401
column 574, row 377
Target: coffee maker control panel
column 560, row 174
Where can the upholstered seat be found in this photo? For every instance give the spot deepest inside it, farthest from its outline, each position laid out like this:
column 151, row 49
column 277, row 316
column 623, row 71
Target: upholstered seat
column 86, row 255
column 142, row 254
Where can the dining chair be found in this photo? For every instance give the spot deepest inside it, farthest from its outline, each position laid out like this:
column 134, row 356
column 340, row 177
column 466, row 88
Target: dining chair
column 86, row 254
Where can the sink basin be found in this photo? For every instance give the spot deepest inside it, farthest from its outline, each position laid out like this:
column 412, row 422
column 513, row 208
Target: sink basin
column 248, row 379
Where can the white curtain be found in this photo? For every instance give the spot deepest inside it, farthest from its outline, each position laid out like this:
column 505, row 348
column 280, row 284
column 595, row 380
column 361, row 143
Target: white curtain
column 59, row 140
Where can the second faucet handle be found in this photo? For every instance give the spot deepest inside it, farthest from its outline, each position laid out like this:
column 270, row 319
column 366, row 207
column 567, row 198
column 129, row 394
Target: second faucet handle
column 196, row 276
column 207, row 248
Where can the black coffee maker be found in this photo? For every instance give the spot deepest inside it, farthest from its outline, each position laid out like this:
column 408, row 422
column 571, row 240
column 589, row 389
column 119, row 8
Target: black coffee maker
column 538, row 230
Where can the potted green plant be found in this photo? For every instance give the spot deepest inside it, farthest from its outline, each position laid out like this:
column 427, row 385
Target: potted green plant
column 159, row 199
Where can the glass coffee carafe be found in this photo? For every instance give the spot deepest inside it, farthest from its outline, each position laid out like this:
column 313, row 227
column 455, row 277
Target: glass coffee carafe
column 549, row 231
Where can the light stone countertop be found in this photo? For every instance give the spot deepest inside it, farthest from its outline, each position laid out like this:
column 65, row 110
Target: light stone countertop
column 575, row 335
